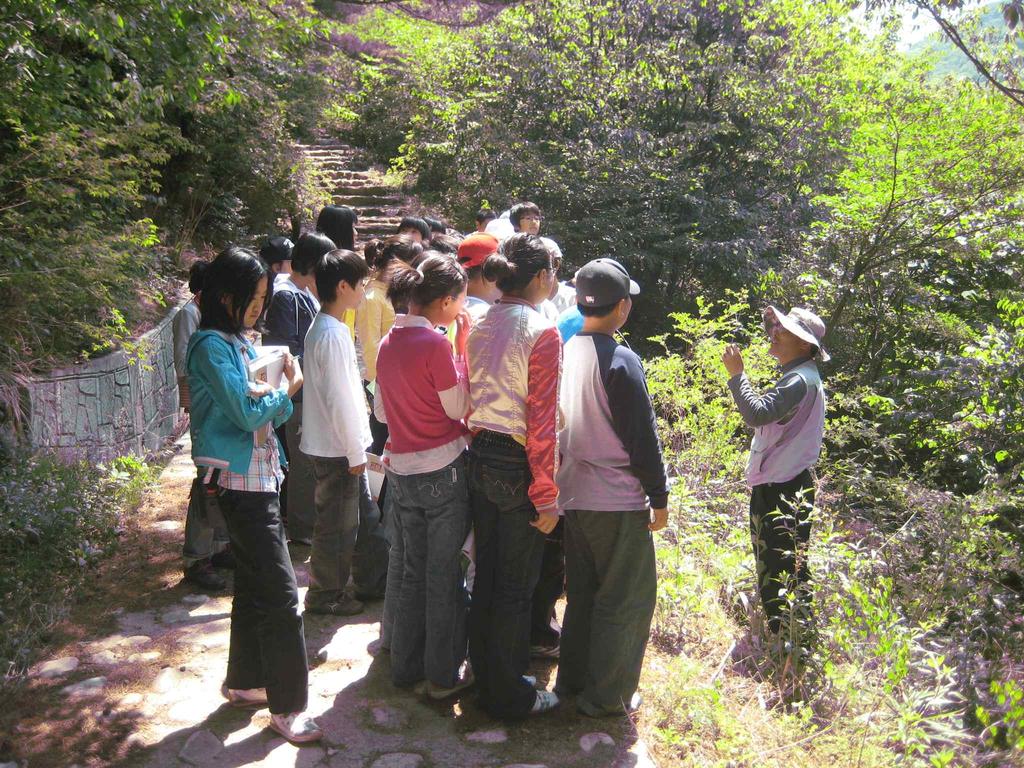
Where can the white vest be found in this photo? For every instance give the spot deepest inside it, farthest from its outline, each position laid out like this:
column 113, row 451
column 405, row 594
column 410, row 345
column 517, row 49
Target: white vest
column 781, row 451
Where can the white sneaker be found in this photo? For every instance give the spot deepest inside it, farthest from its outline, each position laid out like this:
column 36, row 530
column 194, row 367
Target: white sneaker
column 298, row 727
column 545, row 702
column 245, row 698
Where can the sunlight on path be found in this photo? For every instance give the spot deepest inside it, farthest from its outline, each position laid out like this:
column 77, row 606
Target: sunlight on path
column 179, row 718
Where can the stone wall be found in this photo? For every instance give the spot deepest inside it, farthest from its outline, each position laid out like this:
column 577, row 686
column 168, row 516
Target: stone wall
column 111, row 406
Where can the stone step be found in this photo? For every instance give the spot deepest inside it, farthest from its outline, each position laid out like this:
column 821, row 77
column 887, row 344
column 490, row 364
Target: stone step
column 326, row 145
column 328, row 154
column 346, row 190
column 369, row 212
column 356, row 201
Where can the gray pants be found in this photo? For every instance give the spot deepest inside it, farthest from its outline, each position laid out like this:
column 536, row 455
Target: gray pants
column 611, row 588
column 301, row 481
column 205, row 530
column 334, row 531
column 429, row 632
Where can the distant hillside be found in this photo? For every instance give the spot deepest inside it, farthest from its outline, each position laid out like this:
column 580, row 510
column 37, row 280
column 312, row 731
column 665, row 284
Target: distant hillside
column 948, row 58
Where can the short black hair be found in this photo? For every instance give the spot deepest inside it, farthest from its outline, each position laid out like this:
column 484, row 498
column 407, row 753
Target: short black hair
column 276, row 249
column 308, row 251
column 485, row 214
column 522, row 209
column 338, row 265
column 197, row 276
column 415, row 222
column 337, row 222
column 604, row 311
column 436, row 225
column 229, row 286
column 445, row 244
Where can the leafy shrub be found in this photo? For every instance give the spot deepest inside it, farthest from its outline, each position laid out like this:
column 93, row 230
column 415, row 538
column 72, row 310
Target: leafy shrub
column 57, row 521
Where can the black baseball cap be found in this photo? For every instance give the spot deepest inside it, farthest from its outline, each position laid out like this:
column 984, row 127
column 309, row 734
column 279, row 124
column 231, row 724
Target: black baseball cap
column 276, row 249
column 603, row 282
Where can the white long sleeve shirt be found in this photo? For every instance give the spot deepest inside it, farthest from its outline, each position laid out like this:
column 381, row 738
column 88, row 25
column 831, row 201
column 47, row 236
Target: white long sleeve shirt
column 335, row 422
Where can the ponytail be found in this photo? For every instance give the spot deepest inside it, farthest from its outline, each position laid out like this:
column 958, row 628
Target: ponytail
column 521, row 258
column 437, row 277
column 394, row 248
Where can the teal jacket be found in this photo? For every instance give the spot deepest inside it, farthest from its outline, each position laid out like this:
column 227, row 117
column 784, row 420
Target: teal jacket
column 223, row 414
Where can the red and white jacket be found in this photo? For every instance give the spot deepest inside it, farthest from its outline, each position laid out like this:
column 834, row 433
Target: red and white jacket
column 515, row 360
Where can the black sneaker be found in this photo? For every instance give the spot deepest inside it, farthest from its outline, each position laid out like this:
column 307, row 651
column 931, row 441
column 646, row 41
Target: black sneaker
column 202, row 575
column 223, row 559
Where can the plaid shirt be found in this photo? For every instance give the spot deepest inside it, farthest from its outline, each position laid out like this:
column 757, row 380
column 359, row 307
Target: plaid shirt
column 264, row 474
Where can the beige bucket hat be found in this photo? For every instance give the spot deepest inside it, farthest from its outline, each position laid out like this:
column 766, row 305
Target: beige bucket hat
column 803, row 324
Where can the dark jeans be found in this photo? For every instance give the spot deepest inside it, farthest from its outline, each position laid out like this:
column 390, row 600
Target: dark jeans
column 612, row 588
column 301, row 481
column 268, row 647
column 429, row 635
column 780, row 528
column 396, row 572
column 334, row 530
column 370, row 564
column 378, row 429
column 544, row 629
column 508, row 556
column 205, row 531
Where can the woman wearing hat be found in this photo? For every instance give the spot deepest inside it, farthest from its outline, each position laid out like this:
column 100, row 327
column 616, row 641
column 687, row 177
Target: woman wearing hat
column 789, row 423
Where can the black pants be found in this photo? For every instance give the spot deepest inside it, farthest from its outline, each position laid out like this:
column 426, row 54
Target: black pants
column 780, row 528
column 508, row 556
column 267, row 647
column 544, row 629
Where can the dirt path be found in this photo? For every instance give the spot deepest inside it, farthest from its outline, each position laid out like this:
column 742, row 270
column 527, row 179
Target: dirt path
column 137, row 673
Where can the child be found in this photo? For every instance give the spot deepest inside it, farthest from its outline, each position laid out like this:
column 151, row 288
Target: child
column 338, row 222
column 292, row 309
column 481, row 293
column 514, row 356
column 611, row 481
column 206, row 538
column 232, row 436
column 376, row 315
column 335, row 432
column 424, row 397
column 789, row 424
column 483, row 217
column 276, row 251
column 414, row 227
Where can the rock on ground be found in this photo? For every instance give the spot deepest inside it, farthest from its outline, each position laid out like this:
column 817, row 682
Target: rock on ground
column 201, row 748
column 57, row 667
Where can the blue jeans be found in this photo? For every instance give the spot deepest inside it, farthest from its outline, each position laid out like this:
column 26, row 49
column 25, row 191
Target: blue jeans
column 508, row 557
column 429, row 634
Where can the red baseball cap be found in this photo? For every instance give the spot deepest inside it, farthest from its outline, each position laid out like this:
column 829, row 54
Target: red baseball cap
column 474, row 250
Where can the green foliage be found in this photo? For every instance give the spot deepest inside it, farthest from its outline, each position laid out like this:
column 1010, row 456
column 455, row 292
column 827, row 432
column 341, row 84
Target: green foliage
column 127, row 126
column 57, row 522
column 672, row 135
column 917, row 635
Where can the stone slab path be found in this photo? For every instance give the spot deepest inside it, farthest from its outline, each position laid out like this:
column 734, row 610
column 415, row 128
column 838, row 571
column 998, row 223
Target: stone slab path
column 146, row 690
